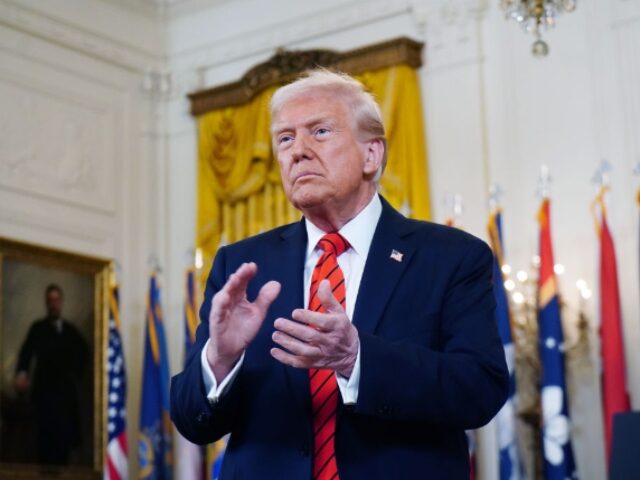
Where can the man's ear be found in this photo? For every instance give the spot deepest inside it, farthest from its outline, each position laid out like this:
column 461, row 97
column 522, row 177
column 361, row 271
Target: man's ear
column 375, row 154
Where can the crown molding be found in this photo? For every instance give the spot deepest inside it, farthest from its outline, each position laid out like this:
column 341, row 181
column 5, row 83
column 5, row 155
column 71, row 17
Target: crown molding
column 186, row 69
column 125, row 56
column 430, row 18
column 164, row 9
column 47, row 224
column 286, row 65
column 291, row 31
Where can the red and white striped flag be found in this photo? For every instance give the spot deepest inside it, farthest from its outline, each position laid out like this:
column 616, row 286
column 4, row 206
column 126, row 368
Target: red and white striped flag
column 116, row 457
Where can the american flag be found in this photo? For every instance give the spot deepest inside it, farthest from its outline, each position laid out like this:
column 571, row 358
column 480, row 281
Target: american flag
column 116, row 461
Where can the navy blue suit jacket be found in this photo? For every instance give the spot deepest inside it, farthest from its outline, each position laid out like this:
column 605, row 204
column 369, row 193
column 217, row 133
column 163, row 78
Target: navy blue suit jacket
column 432, row 364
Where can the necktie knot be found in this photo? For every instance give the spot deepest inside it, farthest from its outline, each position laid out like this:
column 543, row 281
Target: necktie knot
column 333, row 242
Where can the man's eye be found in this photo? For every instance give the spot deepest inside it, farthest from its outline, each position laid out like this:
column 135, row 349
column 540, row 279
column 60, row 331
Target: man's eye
column 284, row 139
column 322, row 131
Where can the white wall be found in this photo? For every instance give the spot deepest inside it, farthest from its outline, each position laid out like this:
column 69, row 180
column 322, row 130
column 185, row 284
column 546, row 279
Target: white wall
column 78, row 168
column 493, row 114
column 570, row 111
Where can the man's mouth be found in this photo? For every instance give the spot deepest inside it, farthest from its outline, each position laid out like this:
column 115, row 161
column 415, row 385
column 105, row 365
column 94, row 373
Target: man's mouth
column 304, row 175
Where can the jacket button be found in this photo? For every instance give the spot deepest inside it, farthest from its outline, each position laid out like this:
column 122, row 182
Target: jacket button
column 202, row 417
column 384, row 410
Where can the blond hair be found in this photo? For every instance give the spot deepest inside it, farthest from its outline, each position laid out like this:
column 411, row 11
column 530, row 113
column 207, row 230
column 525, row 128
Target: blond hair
column 365, row 112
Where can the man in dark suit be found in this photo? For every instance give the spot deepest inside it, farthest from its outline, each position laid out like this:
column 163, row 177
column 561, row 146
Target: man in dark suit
column 399, row 328
column 57, row 352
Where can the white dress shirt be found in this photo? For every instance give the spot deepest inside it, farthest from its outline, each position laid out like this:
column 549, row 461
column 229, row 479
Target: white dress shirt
column 359, row 233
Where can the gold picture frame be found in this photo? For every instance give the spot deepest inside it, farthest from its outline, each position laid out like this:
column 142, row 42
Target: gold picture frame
column 25, row 273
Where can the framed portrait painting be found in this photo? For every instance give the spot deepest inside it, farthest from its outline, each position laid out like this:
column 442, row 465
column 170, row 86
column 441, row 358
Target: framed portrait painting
column 53, row 323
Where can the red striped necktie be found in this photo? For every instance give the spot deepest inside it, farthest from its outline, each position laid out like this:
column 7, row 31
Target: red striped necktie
column 323, row 384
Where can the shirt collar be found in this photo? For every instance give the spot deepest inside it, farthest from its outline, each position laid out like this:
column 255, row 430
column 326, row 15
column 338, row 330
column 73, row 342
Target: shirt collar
column 358, row 231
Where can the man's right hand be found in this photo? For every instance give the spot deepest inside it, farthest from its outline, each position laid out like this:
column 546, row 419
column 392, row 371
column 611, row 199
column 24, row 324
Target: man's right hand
column 234, row 321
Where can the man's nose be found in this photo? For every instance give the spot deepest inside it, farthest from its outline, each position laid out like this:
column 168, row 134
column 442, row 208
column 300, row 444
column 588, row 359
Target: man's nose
column 300, row 148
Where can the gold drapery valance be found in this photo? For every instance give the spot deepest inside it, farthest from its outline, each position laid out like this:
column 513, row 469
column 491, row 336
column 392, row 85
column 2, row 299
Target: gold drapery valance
column 239, row 190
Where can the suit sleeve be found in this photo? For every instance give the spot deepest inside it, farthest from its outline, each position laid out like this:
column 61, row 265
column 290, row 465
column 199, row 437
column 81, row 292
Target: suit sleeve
column 27, row 351
column 193, row 415
column 465, row 381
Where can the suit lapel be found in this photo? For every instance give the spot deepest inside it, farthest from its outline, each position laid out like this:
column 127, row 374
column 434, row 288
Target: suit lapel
column 380, row 276
column 288, row 265
column 388, row 258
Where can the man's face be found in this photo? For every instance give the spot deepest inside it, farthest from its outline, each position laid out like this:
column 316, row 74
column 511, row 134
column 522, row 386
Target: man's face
column 54, row 303
column 322, row 162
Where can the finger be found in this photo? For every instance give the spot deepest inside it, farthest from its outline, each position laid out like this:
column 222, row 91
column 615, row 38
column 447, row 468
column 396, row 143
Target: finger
column 298, row 330
column 232, row 290
column 239, row 280
column 295, row 346
column 267, row 294
column 288, row 359
column 328, row 301
column 219, row 305
column 317, row 320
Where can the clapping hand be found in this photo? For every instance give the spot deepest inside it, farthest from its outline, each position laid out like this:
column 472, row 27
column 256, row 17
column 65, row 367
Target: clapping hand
column 318, row 340
column 234, row 321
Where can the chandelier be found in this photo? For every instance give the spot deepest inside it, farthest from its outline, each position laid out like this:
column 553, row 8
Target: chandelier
column 537, row 16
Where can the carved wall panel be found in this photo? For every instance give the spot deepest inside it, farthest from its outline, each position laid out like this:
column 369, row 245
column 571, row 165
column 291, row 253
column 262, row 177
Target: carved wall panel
column 56, row 144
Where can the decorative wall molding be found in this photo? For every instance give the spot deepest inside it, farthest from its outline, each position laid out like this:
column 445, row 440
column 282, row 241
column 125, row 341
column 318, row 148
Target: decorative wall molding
column 447, row 26
column 624, row 11
column 623, row 22
column 448, row 13
column 435, row 19
column 165, row 8
column 450, row 31
column 56, row 144
column 285, row 65
column 113, row 51
column 443, row 22
column 291, row 31
column 629, row 66
column 77, row 230
column 158, row 84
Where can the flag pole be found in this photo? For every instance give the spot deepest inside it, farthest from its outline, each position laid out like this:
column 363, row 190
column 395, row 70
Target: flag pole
column 454, row 205
column 557, row 450
column 615, row 398
column 636, row 172
column 509, row 457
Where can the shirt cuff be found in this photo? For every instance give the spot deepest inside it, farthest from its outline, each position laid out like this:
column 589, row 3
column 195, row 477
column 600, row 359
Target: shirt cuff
column 349, row 386
column 215, row 391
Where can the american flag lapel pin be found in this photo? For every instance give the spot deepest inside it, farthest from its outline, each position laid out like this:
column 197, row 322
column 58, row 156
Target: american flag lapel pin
column 396, row 255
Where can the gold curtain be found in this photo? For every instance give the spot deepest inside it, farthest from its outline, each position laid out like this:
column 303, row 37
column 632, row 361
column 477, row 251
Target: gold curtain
column 404, row 183
column 239, row 190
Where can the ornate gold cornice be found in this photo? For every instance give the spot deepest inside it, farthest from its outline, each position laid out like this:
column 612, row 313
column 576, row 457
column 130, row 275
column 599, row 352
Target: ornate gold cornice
column 285, row 65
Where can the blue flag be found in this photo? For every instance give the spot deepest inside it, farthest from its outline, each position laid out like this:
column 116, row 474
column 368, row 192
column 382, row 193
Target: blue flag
column 510, row 466
column 154, row 446
column 190, row 311
column 559, row 463
column 191, row 458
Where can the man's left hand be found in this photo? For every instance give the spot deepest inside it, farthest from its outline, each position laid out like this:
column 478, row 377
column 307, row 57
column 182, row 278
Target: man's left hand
column 318, row 340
